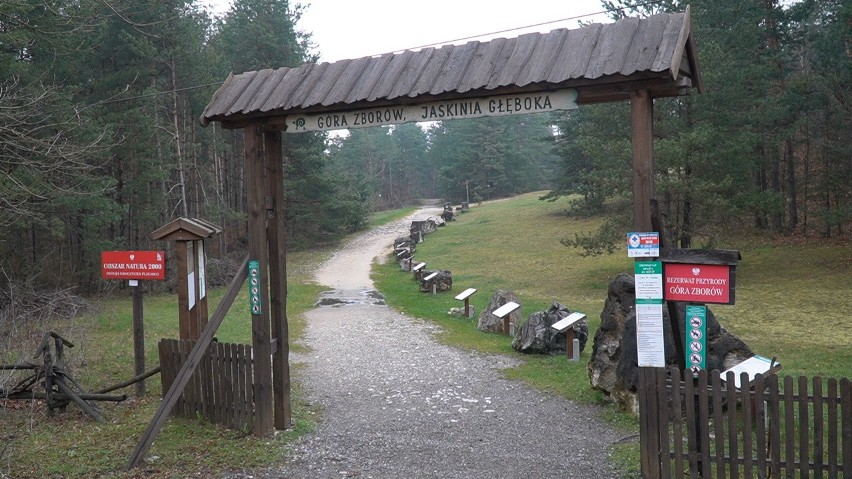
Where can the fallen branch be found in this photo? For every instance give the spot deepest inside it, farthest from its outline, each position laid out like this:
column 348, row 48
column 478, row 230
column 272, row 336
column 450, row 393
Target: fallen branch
column 129, row 382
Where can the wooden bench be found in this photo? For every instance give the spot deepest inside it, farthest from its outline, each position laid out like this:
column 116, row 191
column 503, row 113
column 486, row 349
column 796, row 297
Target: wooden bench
column 503, row 313
column 566, row 325
column 465, row 296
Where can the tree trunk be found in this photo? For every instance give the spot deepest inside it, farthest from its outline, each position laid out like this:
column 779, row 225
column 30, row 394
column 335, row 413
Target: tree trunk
column 178, row 149
column 793, row 208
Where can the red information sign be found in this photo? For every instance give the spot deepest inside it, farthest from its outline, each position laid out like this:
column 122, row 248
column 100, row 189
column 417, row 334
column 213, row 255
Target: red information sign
column 133, row 265
column 697, row 283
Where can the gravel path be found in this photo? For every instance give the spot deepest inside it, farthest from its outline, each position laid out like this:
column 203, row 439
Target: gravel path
column 397, row 404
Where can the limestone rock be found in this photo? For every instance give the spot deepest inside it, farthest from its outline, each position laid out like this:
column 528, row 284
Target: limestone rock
column 613, row 367
column 489, row 323
column 443, row 280
column 538, row 337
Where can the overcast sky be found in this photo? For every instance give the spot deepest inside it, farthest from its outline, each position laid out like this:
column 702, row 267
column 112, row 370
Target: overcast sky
column 344, row 29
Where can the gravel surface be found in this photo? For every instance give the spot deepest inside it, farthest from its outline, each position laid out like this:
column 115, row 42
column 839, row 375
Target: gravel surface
column 395, row 403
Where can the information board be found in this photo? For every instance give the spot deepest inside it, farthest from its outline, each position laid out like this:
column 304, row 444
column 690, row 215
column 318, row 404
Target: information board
column 133, row 265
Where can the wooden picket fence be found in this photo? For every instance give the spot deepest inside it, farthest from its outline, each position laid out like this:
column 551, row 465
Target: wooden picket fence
column 772, row 428
column 220, row 389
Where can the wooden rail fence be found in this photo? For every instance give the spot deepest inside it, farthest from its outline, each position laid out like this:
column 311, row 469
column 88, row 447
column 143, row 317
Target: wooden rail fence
column 771, row 428
column 220, row 389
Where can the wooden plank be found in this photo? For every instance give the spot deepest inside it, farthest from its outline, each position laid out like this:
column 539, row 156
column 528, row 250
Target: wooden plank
column 326, row 83
column 186, row 369
column 665, row 463
column 819, row 428
column 540, row 60
column 719, row 423
column 760, row 424
column 184, row 330
column 846, row 414
column 642, row 115
column 789, row 428
column 701, row 256
column 691, row 422
column 291, row 80
column 703, row 424
column 229, row 93
column 254, row 83
column 267, row 89
column 188, row 390
column 677, row 425
column 247, row 402
column 644, row 49
column 242, row 391
column 541, row 63
column 506, row 309
column 230, row 377
column 804, row 432
column 241, row 420
column 745, row 403
column 501, row 57
column 833, row 443
column 625, row 35
column 430, row 71
column 454, row 68
column 215, row 379
column 465, row 294
column 733, row 444
column 568, row 321
column 297, row 95
column 775, row 425
column 514, row 65
column 415, row 62
column 206, row 379
column 481, row 65
column 646, row 429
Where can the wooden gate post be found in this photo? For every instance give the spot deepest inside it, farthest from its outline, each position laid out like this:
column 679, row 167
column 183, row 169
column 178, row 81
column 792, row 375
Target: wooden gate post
column 278, row 282
column 642, row 116
column 256, row 195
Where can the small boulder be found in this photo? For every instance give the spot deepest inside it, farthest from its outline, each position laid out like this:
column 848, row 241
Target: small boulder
column 492, row 324
column 536, row 336
column 613, row 367
column 443, row 281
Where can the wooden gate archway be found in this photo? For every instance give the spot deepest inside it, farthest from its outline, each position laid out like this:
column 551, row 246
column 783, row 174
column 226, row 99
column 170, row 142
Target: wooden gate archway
column 633, row 60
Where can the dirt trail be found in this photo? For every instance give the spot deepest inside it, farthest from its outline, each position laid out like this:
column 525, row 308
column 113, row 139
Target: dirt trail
column 398, row 404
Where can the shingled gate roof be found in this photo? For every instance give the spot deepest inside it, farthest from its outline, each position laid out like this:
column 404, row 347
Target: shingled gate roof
column 603, row 62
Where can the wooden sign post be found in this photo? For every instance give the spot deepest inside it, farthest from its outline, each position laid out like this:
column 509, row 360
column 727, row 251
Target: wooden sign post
column 567, row 324
column 465, row 296
column 133, row 266
column 503, row 313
